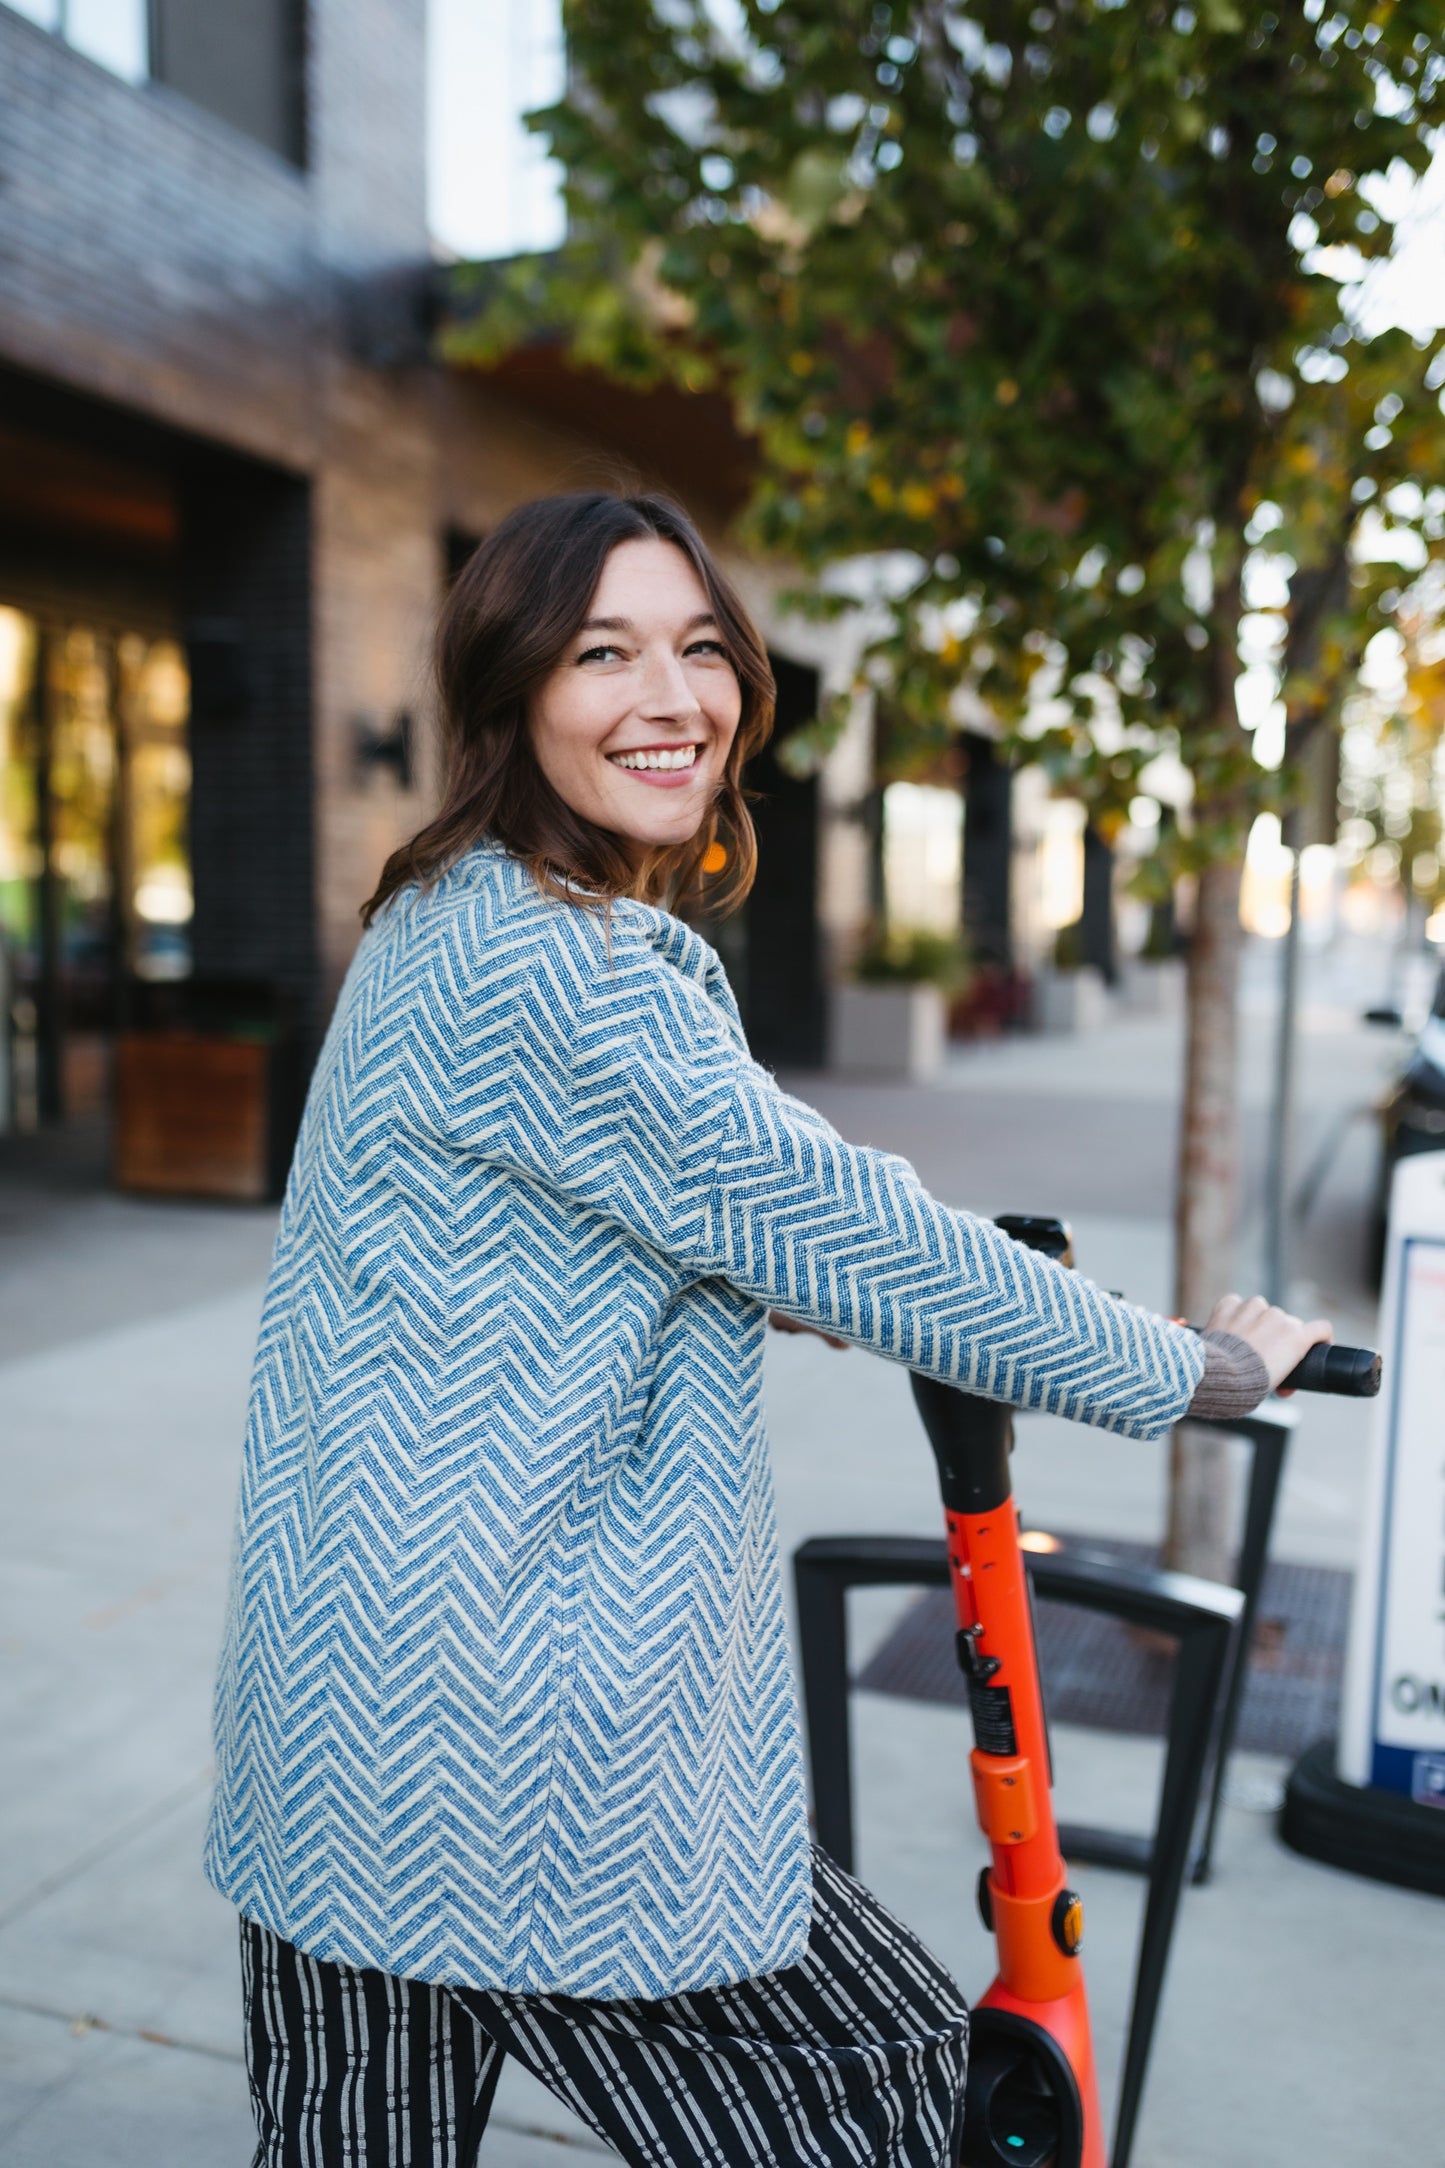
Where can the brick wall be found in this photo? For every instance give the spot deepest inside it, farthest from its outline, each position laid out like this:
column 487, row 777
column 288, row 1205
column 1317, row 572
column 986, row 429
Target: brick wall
column 152, row 255
column 377, row 545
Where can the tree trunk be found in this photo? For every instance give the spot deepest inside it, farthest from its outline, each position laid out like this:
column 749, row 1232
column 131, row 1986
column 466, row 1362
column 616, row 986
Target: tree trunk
column 1200, row 1536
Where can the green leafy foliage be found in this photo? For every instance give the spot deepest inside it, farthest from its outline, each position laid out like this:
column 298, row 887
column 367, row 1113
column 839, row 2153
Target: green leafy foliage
column 1069, row 948
column 1393, row 762
column 911, row 956
column 1044, row 312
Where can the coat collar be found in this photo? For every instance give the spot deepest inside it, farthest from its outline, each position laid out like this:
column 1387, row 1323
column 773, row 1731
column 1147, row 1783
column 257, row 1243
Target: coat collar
column 675, row 942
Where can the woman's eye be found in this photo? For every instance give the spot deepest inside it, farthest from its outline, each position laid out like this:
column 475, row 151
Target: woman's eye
column 708, row 647
column 597, row 654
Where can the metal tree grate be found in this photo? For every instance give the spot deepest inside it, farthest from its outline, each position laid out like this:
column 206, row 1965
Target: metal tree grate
column 1098, row 1672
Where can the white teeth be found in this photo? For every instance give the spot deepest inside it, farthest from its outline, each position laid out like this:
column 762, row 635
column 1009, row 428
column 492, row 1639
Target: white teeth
column 682, row 756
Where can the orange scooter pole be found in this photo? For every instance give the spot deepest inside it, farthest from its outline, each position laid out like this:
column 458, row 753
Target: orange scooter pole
column 1033, row 2096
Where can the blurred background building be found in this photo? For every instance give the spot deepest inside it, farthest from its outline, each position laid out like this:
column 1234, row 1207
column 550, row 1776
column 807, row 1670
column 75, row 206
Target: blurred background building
column 233, row 483
column 234, row 480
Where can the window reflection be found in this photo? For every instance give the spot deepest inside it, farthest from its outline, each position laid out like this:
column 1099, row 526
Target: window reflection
column 44, row 12
column 19, row 826
column 82, row 763
column 112, row 32
column 21, row 862
column 95, row 883
column 116, row 33
column 158, row 902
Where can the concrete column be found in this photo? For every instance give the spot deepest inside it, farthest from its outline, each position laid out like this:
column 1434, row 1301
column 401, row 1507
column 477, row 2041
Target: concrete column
column 1096, row 920
column 247, row 622
column 987, row 853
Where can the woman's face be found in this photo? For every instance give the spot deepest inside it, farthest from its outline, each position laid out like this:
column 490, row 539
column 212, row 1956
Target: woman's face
column 633, row 727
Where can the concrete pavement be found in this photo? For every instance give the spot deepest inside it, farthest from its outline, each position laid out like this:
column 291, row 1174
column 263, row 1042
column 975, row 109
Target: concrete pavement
column 1300, row 2020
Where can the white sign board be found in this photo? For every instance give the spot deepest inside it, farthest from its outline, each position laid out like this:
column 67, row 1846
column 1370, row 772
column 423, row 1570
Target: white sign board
column 1392, row 1728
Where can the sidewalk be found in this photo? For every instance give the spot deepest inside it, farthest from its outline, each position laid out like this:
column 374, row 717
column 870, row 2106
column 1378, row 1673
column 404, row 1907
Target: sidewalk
column 1301, row 2007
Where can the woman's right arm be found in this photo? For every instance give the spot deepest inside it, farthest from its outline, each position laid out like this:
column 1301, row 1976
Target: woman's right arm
column 847, row 1238
column 615, row 1080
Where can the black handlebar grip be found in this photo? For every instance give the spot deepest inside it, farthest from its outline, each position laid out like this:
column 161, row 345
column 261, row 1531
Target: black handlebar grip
column 1354, row 1371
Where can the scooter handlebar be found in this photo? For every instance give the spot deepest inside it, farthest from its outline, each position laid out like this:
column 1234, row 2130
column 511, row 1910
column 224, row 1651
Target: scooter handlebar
column 1351, row 1371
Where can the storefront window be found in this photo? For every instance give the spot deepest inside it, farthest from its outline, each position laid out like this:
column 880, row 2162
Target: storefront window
column 923, row 857
column 20, row 857
column 95, row 886
column 20, row 867
column 154, row 697
column 82, row 782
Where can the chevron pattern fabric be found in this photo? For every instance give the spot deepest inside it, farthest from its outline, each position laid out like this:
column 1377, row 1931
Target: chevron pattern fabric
column 505, row 1698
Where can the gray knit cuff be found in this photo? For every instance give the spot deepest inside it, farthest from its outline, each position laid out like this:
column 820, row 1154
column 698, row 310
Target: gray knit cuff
column 1234, row 1381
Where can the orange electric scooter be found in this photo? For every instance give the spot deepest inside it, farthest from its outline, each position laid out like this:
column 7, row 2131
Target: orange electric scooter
column 1032, row 2093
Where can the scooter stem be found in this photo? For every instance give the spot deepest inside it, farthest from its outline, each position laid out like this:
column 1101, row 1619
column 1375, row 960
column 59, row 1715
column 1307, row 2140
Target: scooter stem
column 1019, row 2104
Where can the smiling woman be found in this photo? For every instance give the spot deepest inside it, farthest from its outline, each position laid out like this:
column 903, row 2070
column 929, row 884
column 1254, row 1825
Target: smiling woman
column 601, row 688
column 507, row 1745
column 634, row 731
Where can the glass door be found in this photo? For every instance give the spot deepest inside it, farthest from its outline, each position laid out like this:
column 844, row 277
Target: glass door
column 79, row 804
column 22, row 861
column 94, row 867
column 154, row 841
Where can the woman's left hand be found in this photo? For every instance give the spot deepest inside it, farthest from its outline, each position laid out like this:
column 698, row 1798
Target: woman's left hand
column 780, row 1322
column 1278, row 1339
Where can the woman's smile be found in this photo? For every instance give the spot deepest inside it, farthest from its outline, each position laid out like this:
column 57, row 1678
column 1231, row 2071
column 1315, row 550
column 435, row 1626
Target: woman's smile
column 664, row 767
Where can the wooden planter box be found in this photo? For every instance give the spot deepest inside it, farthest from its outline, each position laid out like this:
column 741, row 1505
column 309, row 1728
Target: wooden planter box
column 195, row 1115
column 888, row 1031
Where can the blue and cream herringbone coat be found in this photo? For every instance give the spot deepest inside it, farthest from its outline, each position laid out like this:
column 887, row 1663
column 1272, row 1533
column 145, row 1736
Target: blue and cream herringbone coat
column 505, row 1699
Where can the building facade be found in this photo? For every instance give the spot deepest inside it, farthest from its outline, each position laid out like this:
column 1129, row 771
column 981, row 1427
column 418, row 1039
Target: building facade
column 232, row 482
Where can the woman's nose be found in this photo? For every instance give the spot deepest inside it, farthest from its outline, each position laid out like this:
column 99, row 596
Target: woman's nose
column 666, row 692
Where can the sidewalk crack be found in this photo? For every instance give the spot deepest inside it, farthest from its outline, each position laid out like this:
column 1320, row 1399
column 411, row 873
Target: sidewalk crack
column 116, row 1841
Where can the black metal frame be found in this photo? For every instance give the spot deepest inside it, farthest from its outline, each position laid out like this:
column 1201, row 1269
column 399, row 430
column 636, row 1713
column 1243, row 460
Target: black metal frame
column 1267, row 1433
column 1205, row 1619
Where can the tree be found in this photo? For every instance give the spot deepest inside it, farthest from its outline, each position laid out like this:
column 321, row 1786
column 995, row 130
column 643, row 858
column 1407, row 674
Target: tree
column 1048, row 312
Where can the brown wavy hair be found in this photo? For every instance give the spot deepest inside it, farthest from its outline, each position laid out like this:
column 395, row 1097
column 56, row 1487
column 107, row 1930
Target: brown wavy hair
column 506, row 624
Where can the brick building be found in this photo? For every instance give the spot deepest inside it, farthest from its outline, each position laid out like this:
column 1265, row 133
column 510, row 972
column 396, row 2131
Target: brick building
column 231, row 484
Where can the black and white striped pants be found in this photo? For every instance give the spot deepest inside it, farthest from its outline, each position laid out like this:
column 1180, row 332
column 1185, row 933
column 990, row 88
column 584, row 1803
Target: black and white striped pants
column 853, row 2058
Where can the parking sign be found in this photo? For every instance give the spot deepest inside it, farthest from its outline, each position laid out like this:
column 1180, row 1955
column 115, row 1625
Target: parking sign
column 1392, row 1732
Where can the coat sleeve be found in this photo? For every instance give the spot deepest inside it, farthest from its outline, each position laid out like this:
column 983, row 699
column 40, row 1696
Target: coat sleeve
column 622, row 1086
column 848, row 1238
